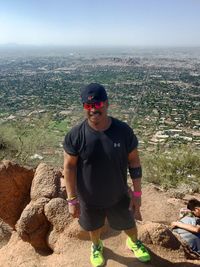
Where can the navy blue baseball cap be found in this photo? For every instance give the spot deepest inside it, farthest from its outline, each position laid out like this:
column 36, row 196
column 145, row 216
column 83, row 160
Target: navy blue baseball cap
column 93, row 92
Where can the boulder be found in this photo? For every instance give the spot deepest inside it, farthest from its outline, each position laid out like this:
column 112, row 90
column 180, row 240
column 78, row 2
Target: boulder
column 15, row 184
column 56, row 212
column 158, row 234
column 46, row 216
column 46, row 182
column 33, row 225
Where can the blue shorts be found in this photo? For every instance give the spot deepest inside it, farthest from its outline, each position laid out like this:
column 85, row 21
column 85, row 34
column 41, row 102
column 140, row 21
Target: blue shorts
column 119, row 216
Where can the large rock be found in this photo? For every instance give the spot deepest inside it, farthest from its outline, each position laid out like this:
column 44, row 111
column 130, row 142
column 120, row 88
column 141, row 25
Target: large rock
column 158, row 234
column 33, row 225
column 46, row 213
column 15, row 184
column 46, row 182
column 57, row 214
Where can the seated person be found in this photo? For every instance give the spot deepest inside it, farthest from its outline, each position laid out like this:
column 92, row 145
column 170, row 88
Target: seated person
column 188, row 227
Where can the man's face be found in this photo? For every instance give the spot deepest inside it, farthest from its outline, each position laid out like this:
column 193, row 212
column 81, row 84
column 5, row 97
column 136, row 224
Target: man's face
column 196, row 212
column 96, row 112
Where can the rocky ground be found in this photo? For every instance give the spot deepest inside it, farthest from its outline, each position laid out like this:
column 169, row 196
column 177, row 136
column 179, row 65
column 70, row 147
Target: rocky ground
column 36, row 229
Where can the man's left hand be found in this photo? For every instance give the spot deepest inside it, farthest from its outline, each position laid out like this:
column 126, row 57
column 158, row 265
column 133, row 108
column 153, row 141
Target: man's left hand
column 135, row 205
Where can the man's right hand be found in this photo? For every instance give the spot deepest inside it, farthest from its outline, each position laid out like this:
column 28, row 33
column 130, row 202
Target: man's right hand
column 74, row 210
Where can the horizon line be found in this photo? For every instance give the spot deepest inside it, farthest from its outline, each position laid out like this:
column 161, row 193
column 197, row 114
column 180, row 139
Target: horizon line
column 15, row 45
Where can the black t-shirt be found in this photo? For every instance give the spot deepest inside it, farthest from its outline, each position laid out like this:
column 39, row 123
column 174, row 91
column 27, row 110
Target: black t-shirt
column 102, row 161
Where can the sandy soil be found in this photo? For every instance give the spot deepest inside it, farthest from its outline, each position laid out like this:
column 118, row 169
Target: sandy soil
column 157, row 206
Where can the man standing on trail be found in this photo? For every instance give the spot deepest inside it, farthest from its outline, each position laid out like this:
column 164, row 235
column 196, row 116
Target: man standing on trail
column 97, row 153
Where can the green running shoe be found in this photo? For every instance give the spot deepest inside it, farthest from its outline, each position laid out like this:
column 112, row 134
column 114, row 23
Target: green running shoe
column 139, row 250
column 96, row 256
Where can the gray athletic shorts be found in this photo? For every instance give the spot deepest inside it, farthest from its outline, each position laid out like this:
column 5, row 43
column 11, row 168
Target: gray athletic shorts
column 119, row 216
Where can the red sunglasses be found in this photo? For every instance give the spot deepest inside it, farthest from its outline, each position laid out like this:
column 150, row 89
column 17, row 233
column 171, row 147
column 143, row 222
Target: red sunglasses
column 96, row 105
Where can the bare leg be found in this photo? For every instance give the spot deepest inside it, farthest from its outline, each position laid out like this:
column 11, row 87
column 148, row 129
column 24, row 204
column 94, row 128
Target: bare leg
column 132, row 233
column 96, row 256
column 95, row 236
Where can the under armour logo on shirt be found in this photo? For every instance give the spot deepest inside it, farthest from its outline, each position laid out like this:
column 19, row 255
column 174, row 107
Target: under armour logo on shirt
column 116, row 144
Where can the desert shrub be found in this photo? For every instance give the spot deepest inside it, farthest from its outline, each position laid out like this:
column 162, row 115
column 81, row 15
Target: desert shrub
column 172, row 167
column 21, row 140
column 8, row 146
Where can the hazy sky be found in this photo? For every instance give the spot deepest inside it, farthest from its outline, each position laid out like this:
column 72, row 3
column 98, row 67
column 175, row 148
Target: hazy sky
column 100, row 22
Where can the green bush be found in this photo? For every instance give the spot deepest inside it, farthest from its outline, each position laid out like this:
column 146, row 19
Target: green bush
column 21, row 140
column 172, row 167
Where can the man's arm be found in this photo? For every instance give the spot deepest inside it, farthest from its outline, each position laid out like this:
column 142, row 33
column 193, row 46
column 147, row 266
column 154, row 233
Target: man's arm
column 70, row 170
column 134, row 165
column 189, row 227
column 134, row 162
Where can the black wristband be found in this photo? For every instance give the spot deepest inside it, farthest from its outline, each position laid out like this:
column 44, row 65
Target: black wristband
column 135, row 173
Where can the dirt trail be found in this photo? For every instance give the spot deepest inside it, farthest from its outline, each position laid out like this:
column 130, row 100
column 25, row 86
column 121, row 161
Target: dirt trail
column 73, row 252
